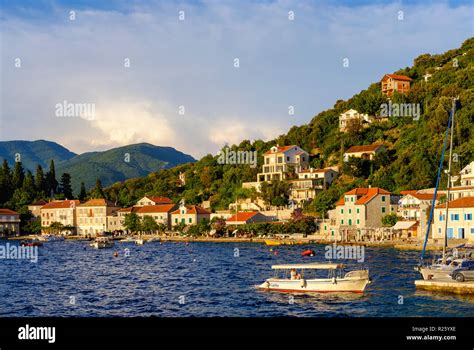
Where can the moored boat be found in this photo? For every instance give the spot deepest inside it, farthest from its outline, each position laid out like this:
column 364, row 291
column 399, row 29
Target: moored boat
column 336, row 280
column 102, row 242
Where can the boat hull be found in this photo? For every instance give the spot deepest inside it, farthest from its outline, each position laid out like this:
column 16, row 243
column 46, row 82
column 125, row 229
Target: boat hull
column 316, row 286
column 430, row 273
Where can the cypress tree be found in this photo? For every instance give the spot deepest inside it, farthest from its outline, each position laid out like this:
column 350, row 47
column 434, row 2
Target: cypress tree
column 82, row 193
column 18, row 176
column 66, row 188
column 6, row 190
column 52, row 183
column 40, row 180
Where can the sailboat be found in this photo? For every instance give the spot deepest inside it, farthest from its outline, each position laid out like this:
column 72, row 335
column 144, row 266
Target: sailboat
column 449, row 261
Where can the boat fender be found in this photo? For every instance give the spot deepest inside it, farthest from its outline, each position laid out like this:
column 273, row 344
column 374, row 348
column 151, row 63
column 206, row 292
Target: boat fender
column 303, row 283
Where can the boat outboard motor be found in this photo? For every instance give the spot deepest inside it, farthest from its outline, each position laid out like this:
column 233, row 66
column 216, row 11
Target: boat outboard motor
column 303, row 283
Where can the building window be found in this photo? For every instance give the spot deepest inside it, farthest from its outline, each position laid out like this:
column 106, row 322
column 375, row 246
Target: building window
column 383, row 209
column 357, row 210
column 383, row 198
column 190, row 220
column 342, row 222
column 350, row 211
column 342, row 211
column 358, row 221
column 468, row 216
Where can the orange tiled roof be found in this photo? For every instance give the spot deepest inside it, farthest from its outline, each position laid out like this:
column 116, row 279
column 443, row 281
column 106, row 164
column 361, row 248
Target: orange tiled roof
column 38, row 203
column 98, row 202
column 242, row 216
column 62, row 204
column 364, row 195
column 465, row 202
column 5, row 211
column 425, row 196
column 160, row 199
column 162, row 208
column 281, row 149
column 366, row 148
column 397, row 77
column 192, row 209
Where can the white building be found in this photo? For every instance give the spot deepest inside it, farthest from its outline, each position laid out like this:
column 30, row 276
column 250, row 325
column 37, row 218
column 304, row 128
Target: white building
column 279, row 160
column 352, row 116
column 460, row 219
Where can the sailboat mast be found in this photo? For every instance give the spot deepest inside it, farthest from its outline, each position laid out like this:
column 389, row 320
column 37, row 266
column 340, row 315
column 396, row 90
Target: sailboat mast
column 445, row 244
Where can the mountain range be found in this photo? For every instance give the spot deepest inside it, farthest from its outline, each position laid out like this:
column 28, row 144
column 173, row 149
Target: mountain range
column 109, row 166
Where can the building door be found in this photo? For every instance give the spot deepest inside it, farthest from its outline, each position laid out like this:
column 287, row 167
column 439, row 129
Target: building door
column 461, row 233
column 450, row 233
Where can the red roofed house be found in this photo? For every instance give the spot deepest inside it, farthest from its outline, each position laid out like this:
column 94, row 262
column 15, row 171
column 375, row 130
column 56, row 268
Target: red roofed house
column 414, row 207
column 278, row 160
column 62, row 211
column 360, row 208
column 365, row 152
column 35, row 208
column 460, row 219
column 394, row 82
column 154, row 200
column 9, row 222
column 92, row 216
column 247, row 217
column 189, row 215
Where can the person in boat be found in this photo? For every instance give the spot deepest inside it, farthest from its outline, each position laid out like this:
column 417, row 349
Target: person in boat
column 295, row 275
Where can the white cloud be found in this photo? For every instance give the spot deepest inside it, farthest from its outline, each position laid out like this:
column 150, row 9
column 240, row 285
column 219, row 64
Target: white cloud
column 190, row 63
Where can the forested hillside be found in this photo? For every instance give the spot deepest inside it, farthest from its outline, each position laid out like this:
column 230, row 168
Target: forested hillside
column 414, row 146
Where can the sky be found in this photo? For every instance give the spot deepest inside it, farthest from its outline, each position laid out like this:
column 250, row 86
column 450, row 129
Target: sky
column 196, row 75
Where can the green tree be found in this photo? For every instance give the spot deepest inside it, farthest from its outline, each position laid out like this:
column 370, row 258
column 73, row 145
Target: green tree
column 40, row 182
column 389, row 220
column 132, row 223
column 51, row 182
column 65, row 185
column 6, row 188
column 149, row 224
column 98, row 191
column 29, row 186
column 82, row 193
column 18, row 175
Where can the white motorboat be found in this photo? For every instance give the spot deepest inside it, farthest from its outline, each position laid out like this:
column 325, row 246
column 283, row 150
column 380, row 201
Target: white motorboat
column 127, row 240
column 102, row 242
column 139, row 241
column 335, row 281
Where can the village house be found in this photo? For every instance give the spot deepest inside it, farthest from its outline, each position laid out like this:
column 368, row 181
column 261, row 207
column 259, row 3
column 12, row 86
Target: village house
column 352, row 116
column 189, row 215
column 365, row 152
column 153, row 200
column 92, row 216
column 60, row 211
column 9, row 222
column 460, row 219
column 247, row 217
column 394, row 82
column 279, row 161
column 160, row 213
column 35, row 208
column 309, row 182
column 359, row 209
column 414, row 208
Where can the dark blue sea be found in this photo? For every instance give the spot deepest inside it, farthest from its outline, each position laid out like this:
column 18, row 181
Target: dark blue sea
column 203, row 279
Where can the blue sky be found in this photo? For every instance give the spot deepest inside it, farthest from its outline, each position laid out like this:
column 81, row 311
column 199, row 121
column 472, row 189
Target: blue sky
column 190, row 64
